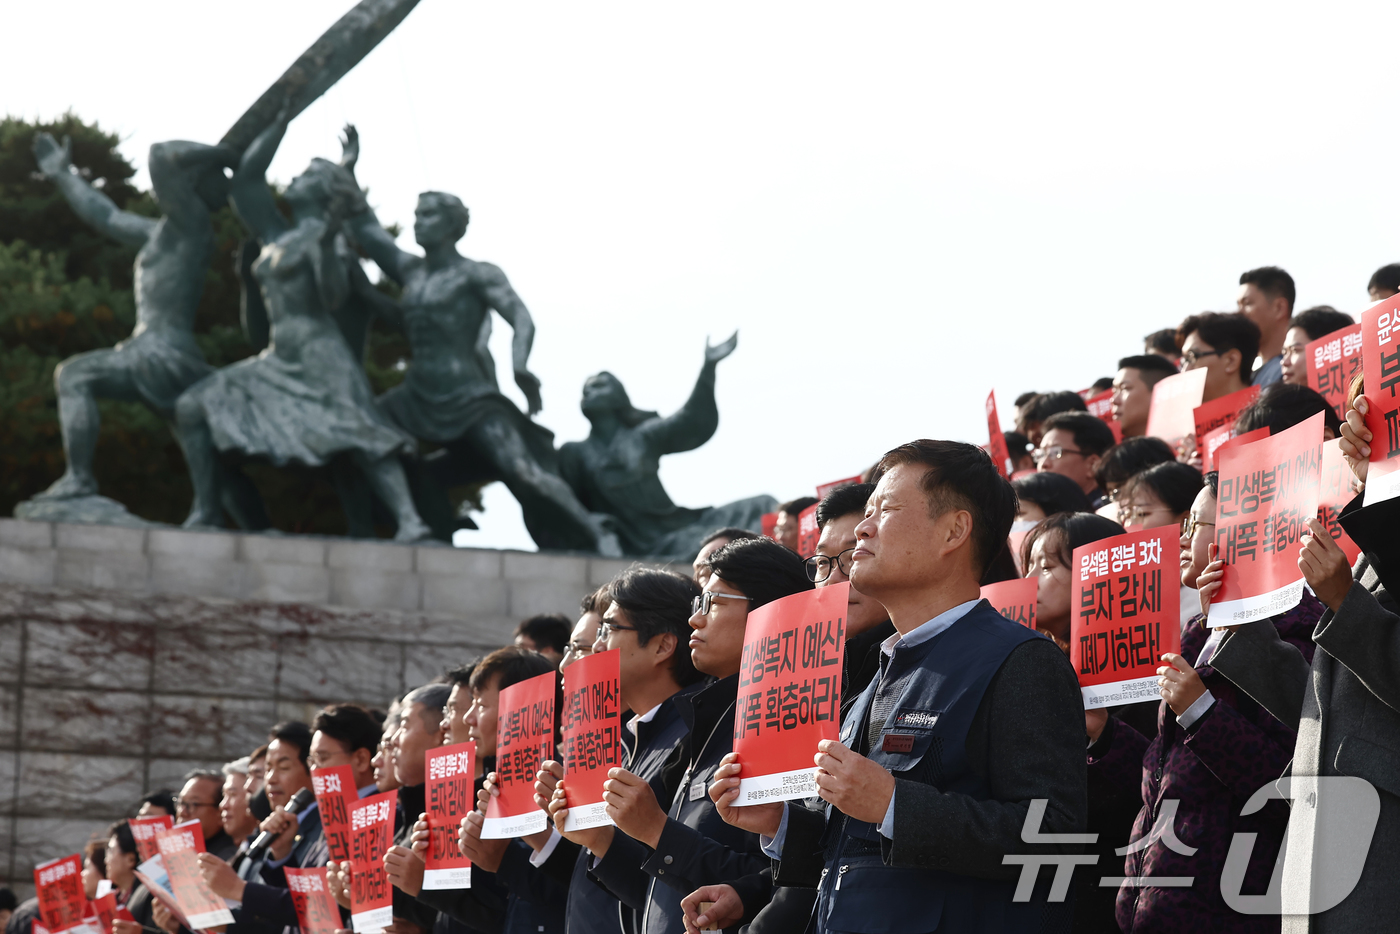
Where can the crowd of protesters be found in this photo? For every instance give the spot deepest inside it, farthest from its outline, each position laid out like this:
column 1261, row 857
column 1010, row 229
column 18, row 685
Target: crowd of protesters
column 965, row 753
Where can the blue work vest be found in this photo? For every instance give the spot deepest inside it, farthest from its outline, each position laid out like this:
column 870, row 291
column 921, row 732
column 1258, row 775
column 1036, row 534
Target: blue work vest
column 939, row 685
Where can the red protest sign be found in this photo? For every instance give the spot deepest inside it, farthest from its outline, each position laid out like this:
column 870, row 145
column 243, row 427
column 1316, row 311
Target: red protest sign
column 335, row 791
column 1014, row 599
column 826, row 488
column 317, row 912
column 1171, row 416
column 996, row 441
column 1268, row 490
column 58, row 884
column 144, row 830
column 789, row 692
column 1334, row 495
column 769, row 523
column 808, row 534
column 1332, row 360
column 371, row 835
column 1126, row 616
column 592, row 722
column 1223, row 411
column 524, row 739
column 1380, row 348
column 451, row 772
column 1101, row 406
column 105, row 908
column 1225, row 437
column 180, row 847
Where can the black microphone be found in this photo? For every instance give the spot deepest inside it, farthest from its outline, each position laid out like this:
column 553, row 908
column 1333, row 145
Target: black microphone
column 299, row 801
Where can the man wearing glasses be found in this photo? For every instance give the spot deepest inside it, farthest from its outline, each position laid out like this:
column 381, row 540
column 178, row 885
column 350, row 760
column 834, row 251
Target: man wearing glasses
column 199, row 800
column 1224, row 345
column 1073, row 444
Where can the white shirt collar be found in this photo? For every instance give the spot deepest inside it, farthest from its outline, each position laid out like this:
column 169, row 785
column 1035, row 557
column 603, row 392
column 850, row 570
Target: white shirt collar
column 643, row 718
column 929, row 629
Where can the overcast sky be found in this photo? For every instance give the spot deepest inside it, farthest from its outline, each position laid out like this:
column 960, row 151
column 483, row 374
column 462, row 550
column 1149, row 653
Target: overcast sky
column 899, row 206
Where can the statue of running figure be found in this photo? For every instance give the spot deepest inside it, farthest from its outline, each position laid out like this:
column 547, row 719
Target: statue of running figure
column 160, row 359
column 449, row 395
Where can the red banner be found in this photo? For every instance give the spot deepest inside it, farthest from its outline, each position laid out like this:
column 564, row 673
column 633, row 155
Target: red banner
column 1336, row 492
column 1225, row 437
column 524, row 739
column 1222, row 412
column 789, row 692
column 1332, row 361
column 335, row 792
column 1126, row 616
column 826, row 488
column 769, row 523
column 144, row 830
column 1174, row 400
column 592, row 722
column 180, row 847
column 996, row 441
column 1380, row 348
column 317, row 912
column 451, row 772
column 371, row 835
column 1268, row 491
column 105, row 908
column 58, row 884
column 808, row 534
column 1014, row 599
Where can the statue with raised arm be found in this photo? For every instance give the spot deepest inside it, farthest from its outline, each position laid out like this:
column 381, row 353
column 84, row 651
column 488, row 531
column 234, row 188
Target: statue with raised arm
column 305, row 397
column 161, row 358
column 615, row 469
column 449, row 395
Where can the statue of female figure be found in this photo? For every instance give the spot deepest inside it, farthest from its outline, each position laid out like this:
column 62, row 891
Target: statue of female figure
column 305, row 397
column 614, row 470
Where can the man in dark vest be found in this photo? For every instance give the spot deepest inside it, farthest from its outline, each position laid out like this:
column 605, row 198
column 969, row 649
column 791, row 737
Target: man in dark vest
column 970, row 720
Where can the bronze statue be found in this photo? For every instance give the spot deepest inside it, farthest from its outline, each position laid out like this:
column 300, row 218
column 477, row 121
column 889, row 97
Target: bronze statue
column 614, row 470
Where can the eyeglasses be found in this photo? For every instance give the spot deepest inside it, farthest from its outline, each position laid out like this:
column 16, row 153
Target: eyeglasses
column 1192, row 356
column 700, row 606
column 185, row 804
column 818, row 567
column 1190, row 524
column 584, row 648
column 607, row 627
column 1054, row 453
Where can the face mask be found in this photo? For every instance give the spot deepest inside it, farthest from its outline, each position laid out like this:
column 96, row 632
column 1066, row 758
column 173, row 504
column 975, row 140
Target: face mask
column 1023, row 525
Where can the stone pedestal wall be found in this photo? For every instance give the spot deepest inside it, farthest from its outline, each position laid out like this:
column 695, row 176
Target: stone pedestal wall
column 129, row 656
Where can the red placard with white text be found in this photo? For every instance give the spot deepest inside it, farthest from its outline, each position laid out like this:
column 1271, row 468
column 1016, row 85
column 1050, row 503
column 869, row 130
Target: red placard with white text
column 1380, row 349
column 826, row 488
column 769, row 523
column 1223, row 411
column 371, row 835
column 789, row 692
column 1225, row 437
column 808, row 534
column 1125, row 614
column 105, row 908
column 1014, row 599
column 1174, row 400
column 451, row 772
column 1268, row 490
column 58, row 884
column 317, row 912
column 996, row 441
column 524, row 739
column 144, row 830
column 591, row 717
column 335, row 792
column 1100, row 406
column 1336, row 492
column 1332, row 361
column 180, row 847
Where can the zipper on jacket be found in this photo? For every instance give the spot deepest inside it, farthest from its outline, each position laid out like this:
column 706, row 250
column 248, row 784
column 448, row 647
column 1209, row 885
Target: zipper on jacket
column 840, row 875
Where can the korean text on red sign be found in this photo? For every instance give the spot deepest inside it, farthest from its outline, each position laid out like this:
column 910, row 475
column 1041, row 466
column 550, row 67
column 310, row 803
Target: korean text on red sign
column 1380, row 348
column 1268, row 490
column 317, row 912
column 1014, row 599
column 996, row 441
column 180, row 847
column 450, row 795
column 1124, row 615
column 144, row 830
column 789, row 692
column 371, row 835
column 1220, row 412
column 1332, row 360
column 335, row 791
column 1171, row 416
column 591, row 716
column 1335, row 494
column 524, row 739
column 58, row 884
column 808, row 534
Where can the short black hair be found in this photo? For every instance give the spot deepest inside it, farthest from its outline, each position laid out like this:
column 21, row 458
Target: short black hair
column 8, row 901
column 597, row 601
column 349, row 724
column 1130, row 456
column 126, row 842
column 512, row 664
column 1163, row 342
column 1017, row 444
column 1283, row 405
column 1091, row 433
column 657, row 602
column 843, row 501
column 1046, row 404
column 1151, row 367
column 1024, row 397
column 547, row 630
column 761, row 569
column 1224, row 331
column 962, row 476
column 1320, row 321
column 163, row 799
column 1102, row 384
column 1174, row 483
column 730, row 533
column 1387, row 277
column 1067, row 531
column 461, row 675
column 297, row 734
column 1213, row 481
column 1272, row 281
column 1052, row 492
column 795, row 507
